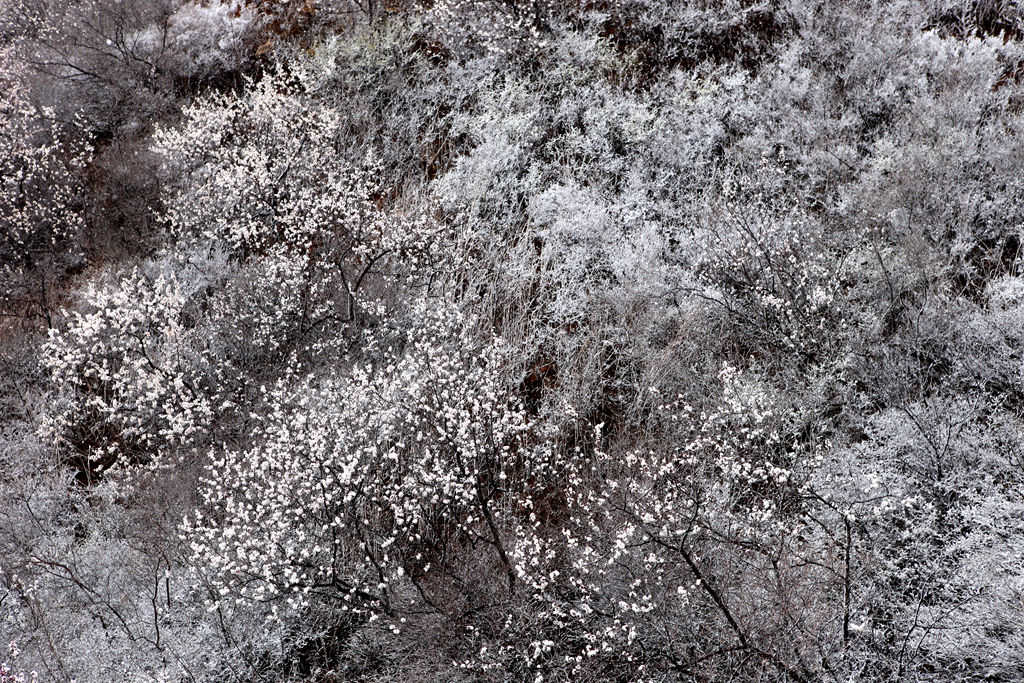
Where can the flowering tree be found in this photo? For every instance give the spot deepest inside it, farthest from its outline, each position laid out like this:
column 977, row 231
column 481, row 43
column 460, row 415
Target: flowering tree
column 268, row 172
column 276, row 265
column 40, row 195
column 130, row 381
column 363, row 487
column 672, row 556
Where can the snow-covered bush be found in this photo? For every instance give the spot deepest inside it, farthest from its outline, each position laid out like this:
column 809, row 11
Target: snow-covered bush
column 509, row 28
column 201, row 40
column 402, row 96
column 660, row 36
column 774, row 276
column 86, row 58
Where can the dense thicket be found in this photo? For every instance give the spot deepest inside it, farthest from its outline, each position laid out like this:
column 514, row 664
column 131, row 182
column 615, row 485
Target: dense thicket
column 511, row 340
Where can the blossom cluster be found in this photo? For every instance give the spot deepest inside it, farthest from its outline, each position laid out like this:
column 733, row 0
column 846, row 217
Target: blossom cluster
column 359, row 484
column 129, row 372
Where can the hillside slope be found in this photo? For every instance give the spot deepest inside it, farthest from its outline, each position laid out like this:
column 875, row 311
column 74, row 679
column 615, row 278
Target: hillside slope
column 511, row 340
